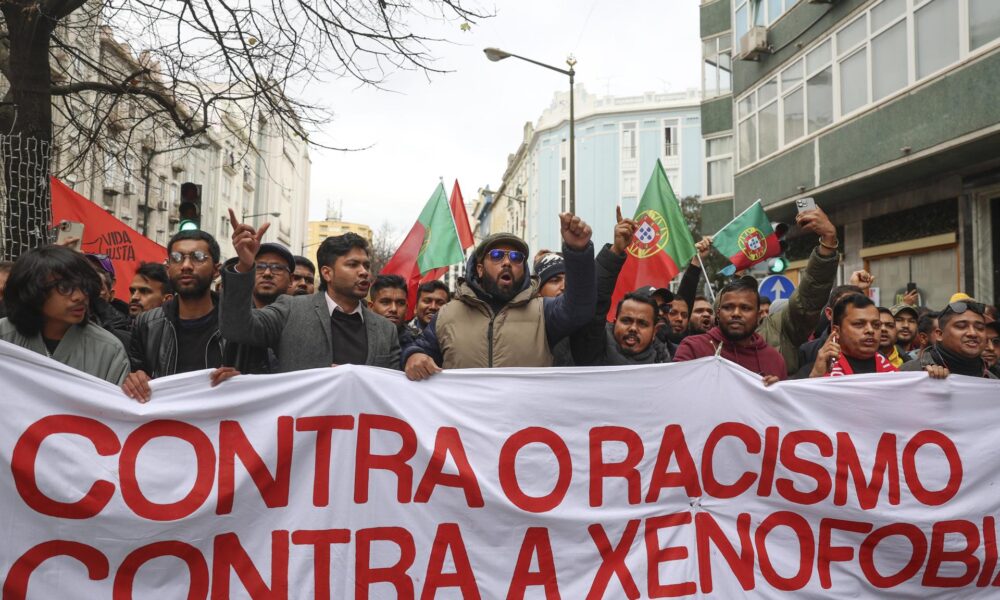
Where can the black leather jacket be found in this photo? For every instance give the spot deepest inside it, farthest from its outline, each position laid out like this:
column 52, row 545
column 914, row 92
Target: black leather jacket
column 153, row 347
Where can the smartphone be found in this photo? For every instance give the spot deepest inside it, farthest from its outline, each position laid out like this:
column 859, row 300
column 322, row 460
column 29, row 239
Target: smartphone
column 70, row 229
column 804, row 204
column 910, row 287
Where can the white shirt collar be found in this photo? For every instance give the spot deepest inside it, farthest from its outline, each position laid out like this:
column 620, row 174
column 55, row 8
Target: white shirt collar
column 332, row 306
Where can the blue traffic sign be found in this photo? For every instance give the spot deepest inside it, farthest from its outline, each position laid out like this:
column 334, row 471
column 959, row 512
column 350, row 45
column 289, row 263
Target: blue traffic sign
column 776, row 287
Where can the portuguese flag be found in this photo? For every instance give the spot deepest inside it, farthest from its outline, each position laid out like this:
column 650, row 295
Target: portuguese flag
column 661, row 244
column 748, row 239
column 432, row 244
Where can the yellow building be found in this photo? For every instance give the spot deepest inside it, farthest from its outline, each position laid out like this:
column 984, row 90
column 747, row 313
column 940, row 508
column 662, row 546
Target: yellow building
column 320, row 230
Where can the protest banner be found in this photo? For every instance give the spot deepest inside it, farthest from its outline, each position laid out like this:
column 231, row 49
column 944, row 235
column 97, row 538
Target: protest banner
column 672, row 480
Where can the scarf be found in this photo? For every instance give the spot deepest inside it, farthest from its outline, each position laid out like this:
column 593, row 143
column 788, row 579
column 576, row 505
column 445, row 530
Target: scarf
column 974, row 367
column 655, row 353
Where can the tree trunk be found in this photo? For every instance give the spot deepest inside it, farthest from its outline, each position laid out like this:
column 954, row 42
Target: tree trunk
column 26, row 128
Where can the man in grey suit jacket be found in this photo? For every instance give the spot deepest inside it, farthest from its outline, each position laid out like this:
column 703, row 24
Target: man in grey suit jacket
column 327, row 328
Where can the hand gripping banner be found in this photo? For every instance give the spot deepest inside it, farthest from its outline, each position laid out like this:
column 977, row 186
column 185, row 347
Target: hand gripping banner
column 686, row 480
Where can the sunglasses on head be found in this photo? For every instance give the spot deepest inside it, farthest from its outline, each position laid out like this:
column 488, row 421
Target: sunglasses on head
column 963, row 305
column 515, row 256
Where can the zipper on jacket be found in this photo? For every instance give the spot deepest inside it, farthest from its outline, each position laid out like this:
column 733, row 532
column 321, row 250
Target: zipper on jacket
column 489, row 340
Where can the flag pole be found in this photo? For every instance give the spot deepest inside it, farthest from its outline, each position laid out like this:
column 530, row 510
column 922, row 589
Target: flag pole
column 708, row 282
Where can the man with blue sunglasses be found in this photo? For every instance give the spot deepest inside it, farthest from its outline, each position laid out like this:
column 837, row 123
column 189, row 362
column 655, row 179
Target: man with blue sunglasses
column 498, row 318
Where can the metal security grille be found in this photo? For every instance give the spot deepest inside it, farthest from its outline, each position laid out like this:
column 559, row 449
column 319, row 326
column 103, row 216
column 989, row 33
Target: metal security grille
column 25, row 208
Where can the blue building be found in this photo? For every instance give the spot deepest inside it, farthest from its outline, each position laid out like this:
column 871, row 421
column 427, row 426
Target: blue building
column 618, row 141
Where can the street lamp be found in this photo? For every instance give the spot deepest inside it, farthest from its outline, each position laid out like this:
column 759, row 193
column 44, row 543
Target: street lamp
column 245, row 216
column 496, row 55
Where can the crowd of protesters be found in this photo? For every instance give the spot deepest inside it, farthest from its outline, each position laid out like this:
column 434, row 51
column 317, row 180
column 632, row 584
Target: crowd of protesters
column 269, row 311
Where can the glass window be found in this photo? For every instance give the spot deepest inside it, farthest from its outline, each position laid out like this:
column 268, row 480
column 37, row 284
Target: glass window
column 742, row 21
column 884, row 13
column 791, row 77
column 768, row 125
column 717, row 146
column 795, row 116
column 774, row 10
column 890, row 67
column 725, row 72
column 984, row 22
column 748, row 142
column 628, row 141
column 767, row 92
column 710, row 69
column 719, row 165
column 746, row 106
column 820, row 99
column 936, row 36
column 818, row 58
column 671, row 143
column 854, row 81
column 720, row 177
column 852, row 35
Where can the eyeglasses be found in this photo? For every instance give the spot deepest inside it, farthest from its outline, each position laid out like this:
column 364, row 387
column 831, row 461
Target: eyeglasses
column 197, row 257
column 306, row 278
column 515, row 256
column 274, row 267
column 963, row 305
column 64, row 287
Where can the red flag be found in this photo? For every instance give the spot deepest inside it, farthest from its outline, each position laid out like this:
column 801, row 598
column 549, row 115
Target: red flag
column 104, row 234
column 461, row 218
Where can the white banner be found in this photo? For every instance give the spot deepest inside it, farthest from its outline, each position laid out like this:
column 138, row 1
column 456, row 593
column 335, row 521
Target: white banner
column 674, row 480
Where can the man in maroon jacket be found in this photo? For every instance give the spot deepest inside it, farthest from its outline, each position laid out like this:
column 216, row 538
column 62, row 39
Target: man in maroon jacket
column 734, row 338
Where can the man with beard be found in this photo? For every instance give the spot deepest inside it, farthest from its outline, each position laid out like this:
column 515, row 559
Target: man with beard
column 149, row 289
column 181, row 335
column 632, row 337
column 702, row 316
column 887, row 338
column 329, row 328
column 497, row 318
column 735, row 338
column 48, row 298
column 962, row 335
column 273, row 269
column 852, row 348
column 907, row 319
column 303, row 278
column 991, row 353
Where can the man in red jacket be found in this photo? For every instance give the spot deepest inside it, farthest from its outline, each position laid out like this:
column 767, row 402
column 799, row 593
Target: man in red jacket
column 734, row 338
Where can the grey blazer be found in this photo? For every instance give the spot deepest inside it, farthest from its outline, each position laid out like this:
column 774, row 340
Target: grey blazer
column 296, row 327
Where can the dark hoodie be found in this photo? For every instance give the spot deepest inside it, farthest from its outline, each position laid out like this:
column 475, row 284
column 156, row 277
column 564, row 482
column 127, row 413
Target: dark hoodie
column 758, row 356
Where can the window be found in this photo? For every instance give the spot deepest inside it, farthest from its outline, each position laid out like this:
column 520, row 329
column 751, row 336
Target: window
column 984, row 22
column 717, row 66
column 719, row 166
column 760, row 12
column 936, row 25
column 885, row 49
column 671, row 141
column 630, row 183
column 629, row 148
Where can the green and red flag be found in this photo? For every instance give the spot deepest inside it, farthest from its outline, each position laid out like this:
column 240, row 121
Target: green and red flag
column 748, row 239
column 457, row 204
column 661, row 243
column 432, row 245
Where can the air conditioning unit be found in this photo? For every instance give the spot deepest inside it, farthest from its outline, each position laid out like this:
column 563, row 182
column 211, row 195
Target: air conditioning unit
column 753, row 44
column 161, row 205
column 111, row 188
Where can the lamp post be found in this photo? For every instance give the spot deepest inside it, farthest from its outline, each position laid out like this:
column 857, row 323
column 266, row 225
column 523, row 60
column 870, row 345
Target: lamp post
column 496, row 54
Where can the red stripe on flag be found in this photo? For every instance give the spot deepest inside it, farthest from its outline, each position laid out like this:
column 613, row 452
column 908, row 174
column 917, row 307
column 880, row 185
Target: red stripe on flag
column 457, row 205
column 656, row 270
column 404, row 264
column 741, row 261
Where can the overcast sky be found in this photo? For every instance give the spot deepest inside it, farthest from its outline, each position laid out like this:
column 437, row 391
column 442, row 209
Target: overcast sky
column 464, row 123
